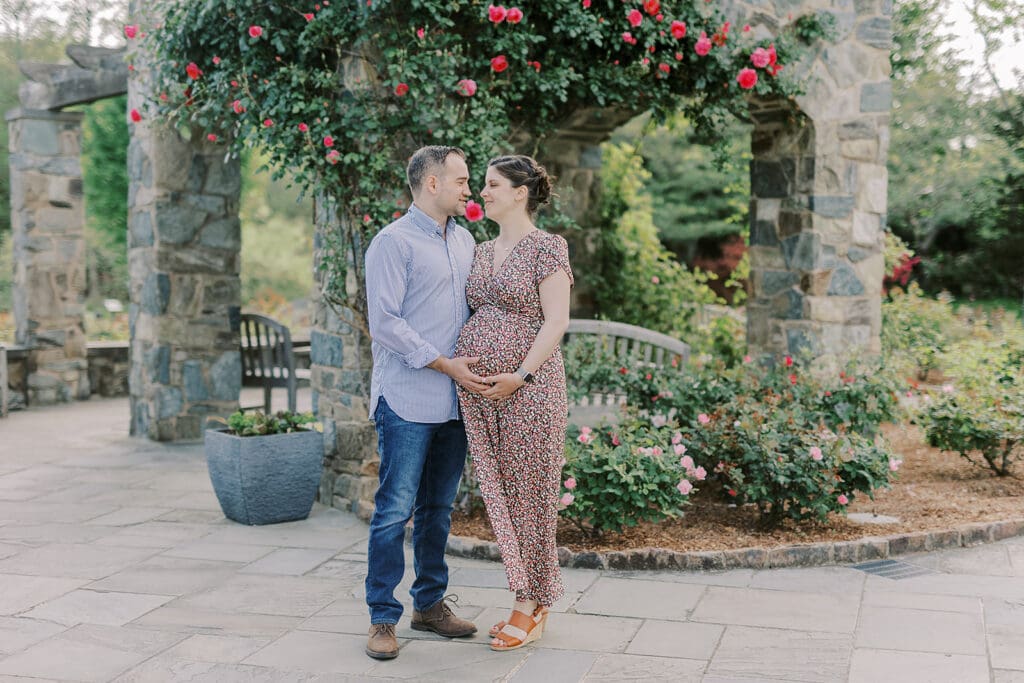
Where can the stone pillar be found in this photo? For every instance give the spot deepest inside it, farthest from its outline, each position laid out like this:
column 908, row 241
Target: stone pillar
column 48, row 222
column 818, row 199
column 341, row 363
column 183, row 251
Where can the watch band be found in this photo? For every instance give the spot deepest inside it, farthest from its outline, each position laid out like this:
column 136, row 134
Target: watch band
column 526, row 375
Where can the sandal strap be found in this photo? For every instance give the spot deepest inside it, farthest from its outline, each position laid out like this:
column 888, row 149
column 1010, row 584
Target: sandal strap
column 524, row 622
column 507, row 640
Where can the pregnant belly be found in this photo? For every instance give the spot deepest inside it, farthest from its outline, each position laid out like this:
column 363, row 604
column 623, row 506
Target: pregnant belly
column 500, row 339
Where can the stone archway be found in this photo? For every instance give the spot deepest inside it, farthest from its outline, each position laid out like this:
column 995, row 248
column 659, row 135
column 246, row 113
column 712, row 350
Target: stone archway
column 818, row 204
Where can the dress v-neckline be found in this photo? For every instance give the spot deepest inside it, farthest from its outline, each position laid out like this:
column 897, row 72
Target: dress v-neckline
column 495, row 271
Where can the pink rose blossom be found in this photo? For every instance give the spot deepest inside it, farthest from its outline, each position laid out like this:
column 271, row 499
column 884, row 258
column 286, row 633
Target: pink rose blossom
column 255, row 31
column 303, row 128
column 635, row 18
column 567, row 499
column 655, row 279
column 700, row 474
column 237, row 107
column 747, row 359
column 684, row 487
column 420, row 33
column 947, row 388
column 686, row 462
column 308, row 16
column 703, row 45
column 658, row 421
column 333, row 157
column 677, row 438
column 842, row 499
column 328, row 141
column 586, row 4
column 466, row 87
column 894, row 464
column 615, row 440
column 515, row 15
column 570, row 483
column 703, row 419
column 816, row 455
column 656, row 450
column 130, row 31
column 679, row 449
column 211, row 137
column 760, row 58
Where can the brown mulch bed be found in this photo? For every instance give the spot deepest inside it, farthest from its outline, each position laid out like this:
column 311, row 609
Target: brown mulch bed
column 934, row 491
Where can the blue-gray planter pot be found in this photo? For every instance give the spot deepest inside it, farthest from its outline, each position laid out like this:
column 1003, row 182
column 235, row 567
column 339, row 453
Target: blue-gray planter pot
column 265, row 479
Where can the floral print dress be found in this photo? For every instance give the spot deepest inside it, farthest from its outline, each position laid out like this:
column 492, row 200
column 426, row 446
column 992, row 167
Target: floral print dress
column 517, row 444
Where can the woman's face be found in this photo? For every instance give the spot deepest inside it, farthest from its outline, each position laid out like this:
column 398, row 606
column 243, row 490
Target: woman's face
column 501, row 200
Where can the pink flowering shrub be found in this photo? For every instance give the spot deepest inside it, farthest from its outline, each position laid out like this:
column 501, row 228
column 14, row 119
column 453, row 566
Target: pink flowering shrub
column 794, row 444
column 615, row 477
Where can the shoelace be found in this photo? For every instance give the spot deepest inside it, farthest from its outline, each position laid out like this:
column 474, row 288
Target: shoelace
column 388, row 629
column 450, row 598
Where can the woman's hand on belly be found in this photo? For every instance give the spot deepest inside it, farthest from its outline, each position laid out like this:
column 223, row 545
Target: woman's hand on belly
column 502, row 386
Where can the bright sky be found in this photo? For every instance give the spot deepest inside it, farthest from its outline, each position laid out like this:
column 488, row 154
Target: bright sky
column 969, row 43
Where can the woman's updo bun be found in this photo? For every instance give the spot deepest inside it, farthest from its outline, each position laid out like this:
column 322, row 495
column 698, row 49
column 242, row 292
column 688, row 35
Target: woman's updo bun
column 521, row 171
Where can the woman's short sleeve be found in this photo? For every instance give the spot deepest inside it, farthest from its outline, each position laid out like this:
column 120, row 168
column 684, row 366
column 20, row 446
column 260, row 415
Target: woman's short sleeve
column 553, row 255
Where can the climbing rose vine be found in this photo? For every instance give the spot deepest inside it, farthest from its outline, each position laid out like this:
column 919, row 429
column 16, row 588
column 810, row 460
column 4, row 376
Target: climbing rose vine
column 380, row 78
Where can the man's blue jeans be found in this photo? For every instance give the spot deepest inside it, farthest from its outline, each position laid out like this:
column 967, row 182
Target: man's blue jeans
column 420, row 467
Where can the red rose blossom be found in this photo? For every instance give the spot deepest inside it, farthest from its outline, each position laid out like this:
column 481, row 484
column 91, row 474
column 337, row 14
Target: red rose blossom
column 308, row 16
column 402, row 89
column 237, row 106
column 193, row 71
column 678, row 29
column 497, row 13
column 747, row 78
column 652, row 7
column 788, row 360
column 303, row 128
column 211, row 137
column 635, row 17
column 130, row 31
column 267, row 123
column 135, row 115
column 586, row 4
column 328, row 141
column 474, row 211
column 499, row 64
column 515, row 15
column 255, row 31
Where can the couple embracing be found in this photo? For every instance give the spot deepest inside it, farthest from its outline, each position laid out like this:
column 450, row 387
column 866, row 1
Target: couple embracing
column 465, row 352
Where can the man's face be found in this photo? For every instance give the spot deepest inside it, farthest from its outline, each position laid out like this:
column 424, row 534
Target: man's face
column 452, row 189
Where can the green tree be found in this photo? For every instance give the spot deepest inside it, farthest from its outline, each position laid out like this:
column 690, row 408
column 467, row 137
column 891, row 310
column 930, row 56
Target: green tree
column 104, row 163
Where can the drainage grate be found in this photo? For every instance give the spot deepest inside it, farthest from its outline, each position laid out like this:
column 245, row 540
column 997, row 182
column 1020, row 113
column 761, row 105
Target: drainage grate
column 892, row 569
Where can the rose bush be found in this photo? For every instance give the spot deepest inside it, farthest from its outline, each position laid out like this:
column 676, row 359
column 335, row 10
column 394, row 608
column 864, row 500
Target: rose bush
column 384, row 77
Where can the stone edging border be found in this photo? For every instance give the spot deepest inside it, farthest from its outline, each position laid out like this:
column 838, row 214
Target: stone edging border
column 808, row 555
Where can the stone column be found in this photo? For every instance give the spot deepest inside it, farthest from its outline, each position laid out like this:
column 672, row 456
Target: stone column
column 48, row 221
column 341, row 364
column 183, row 247
column 818, row 200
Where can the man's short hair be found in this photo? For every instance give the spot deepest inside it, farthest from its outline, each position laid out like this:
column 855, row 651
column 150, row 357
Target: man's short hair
column 424, row 160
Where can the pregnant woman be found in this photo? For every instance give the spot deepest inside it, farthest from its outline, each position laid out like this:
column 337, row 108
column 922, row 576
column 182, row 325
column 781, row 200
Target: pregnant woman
column 518, row 289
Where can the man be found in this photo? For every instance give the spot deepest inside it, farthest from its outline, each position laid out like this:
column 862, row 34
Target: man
column 416, row 271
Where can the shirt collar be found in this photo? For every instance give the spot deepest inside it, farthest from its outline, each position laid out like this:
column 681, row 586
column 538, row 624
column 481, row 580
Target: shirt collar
column 427, row 224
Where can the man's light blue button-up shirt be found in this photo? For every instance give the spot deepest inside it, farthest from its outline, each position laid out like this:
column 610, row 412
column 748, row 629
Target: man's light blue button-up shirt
column 416, row 300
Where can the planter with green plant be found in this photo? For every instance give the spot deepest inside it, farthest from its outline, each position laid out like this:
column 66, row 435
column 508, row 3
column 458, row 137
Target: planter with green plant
column 265, row 468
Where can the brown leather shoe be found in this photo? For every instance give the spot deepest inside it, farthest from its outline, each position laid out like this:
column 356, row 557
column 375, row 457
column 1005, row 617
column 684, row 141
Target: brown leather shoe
column 382, row 644
column 441, row 620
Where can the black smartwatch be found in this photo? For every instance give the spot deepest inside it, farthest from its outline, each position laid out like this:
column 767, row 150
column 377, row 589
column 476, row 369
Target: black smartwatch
column 525, row 374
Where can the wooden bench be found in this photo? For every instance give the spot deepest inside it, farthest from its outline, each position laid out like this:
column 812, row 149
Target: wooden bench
column 623, row 343
column 268, row 358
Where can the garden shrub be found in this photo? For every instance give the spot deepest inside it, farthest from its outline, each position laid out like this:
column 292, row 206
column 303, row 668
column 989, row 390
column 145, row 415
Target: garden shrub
column 982, row 417
column 617, row 476
column 916, row 329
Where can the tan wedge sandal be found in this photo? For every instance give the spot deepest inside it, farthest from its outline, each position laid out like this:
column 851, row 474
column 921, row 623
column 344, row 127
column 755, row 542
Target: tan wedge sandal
column 532, row 627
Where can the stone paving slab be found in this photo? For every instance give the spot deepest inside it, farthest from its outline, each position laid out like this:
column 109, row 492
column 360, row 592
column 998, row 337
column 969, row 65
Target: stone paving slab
column 746, row 653
column 872, row 666
column 97, row 607
column 779, row 609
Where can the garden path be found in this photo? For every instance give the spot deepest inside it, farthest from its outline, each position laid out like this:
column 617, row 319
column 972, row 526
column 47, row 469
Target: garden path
column 116, row 564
